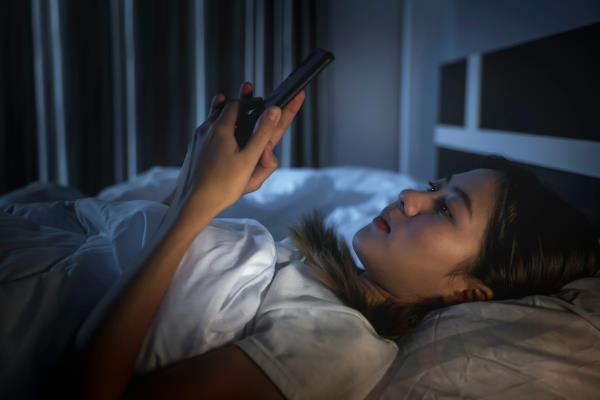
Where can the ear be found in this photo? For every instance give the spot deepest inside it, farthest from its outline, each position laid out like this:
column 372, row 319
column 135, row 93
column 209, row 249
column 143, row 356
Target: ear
column 465, row 289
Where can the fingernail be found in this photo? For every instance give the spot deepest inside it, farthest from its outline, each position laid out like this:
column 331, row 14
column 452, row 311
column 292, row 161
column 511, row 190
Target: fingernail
column 219, row 98
column 246, row 87
column 274, row 113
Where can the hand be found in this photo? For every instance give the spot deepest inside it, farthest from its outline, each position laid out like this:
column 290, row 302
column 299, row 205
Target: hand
column 268, row 162
column 223, row 170
column 181, row 189
column 263, row 167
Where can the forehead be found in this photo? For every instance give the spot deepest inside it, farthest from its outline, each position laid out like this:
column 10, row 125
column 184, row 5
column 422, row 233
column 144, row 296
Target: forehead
column 481, row 176
column 481, row 186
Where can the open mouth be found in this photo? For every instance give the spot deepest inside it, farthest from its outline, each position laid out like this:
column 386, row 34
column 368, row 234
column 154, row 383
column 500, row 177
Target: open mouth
column 381, row 224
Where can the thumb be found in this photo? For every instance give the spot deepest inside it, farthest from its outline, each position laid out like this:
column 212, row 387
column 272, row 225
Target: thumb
column 263, row 131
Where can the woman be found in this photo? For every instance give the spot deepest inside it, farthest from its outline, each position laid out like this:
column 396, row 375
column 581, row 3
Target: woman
column 478, row 235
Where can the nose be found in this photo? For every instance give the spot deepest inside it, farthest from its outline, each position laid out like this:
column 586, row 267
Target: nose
column 413, row 202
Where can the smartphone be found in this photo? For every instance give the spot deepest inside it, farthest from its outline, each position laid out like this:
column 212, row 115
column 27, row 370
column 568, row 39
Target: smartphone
column 250, row 109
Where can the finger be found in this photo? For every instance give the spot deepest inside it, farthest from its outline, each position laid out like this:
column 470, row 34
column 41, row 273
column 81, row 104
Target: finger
column 294, row 105
column 259, row 176
column 287, row 116
column 216, row 105
column 268, row 159
column 246, row 90
column 228, row 116
column 267, row 165
column 263, row 132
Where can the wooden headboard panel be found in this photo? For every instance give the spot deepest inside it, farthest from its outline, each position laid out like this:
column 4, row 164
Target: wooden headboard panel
column 537, row 103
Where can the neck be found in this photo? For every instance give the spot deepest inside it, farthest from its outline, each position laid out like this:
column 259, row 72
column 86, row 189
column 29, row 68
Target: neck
column 375, row 293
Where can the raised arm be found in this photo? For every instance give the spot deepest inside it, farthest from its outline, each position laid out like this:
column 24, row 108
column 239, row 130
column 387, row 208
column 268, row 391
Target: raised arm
column 217, row 173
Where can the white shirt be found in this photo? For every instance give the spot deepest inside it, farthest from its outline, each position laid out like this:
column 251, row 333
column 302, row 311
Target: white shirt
column 236, row 285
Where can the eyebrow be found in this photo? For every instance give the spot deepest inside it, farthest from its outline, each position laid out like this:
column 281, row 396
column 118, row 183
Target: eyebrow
column 462, row 194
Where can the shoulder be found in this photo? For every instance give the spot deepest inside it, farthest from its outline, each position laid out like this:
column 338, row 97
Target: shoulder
column 311, row 345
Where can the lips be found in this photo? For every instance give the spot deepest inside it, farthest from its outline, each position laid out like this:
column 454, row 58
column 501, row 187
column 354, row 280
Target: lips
column 381, row 224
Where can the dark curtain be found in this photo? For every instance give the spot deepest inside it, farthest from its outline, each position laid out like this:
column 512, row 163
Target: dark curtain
column 305, row 145
column 18, row 151
column 88, row 96
column 225, row 33
column 164, row 79
column 94, row 81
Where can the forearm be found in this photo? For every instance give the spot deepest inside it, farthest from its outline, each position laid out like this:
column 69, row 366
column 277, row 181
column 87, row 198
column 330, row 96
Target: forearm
column 110, row 356
column 225, row 373
column 213, row 177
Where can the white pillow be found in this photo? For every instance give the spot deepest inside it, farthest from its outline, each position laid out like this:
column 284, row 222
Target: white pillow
column 535, row 347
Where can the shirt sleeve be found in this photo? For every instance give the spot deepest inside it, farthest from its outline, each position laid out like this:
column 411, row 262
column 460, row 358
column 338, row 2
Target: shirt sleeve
column 317, row 353
column 213, row 295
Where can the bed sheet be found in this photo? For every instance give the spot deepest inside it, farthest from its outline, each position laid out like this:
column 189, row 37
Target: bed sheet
column 61, row 252
column 57, row 260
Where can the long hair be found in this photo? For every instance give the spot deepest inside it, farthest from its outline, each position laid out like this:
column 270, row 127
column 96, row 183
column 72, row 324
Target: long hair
column 534, row 244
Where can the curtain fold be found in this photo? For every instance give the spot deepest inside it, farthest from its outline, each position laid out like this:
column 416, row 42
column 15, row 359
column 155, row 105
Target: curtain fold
column 164, row 81
column 88, row 93
column 283, row 33
column 128, row 79
column 18, row 127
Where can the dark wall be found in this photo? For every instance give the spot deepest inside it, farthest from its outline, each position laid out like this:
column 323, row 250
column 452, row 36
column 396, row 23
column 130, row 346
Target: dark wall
column 442, row 31
column 363, row 93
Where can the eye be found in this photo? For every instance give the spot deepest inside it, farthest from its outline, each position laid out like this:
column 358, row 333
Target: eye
column 443, row 209
column 441, row 206
column 433, row 186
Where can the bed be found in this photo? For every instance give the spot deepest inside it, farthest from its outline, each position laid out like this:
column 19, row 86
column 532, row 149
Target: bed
column 62, row 251
column 61, row 255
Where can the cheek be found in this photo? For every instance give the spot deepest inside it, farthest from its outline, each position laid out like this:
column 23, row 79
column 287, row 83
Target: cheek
column 445, row 250
column 427, row 244
column 414, row 257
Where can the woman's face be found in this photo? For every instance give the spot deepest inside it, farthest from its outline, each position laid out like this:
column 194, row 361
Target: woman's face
column 416, row 243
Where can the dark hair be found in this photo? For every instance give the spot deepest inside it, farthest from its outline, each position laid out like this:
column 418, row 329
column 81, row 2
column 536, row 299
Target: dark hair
column 534, row 244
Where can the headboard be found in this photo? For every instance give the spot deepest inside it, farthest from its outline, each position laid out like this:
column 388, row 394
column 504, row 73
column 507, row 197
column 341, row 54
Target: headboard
column 537, row 103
